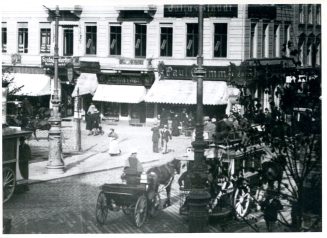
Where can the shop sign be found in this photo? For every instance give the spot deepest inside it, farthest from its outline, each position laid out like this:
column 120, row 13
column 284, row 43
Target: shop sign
column 90, row 67
column 126, row 61
column 186, row 72
column 209, row 10
column 262, row 12
column 142, row 80
column 48, row 61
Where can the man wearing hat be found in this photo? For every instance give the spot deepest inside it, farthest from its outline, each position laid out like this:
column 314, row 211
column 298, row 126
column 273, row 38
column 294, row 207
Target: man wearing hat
column 155, row 137
column 133, row 169
column 165, row 136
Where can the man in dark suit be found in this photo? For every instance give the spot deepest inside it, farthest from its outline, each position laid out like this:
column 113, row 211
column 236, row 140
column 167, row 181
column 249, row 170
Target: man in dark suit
column 165, row 136
column 155, row 137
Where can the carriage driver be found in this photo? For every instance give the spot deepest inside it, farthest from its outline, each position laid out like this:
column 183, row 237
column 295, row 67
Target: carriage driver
column 133, row 169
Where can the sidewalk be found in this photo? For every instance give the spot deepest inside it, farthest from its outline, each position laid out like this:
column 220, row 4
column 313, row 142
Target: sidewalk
column 94, row 156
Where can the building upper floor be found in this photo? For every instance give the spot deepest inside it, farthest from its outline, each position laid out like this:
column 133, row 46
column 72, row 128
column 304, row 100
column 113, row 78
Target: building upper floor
column 168, row 33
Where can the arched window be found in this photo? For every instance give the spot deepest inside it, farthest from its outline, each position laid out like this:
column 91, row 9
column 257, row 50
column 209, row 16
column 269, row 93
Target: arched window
column 310, row 49
column 301, row 48
column 317, row 50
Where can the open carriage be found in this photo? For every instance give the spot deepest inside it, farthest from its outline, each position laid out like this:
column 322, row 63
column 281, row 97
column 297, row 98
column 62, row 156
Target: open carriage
column 11, row 165
column 234, row 178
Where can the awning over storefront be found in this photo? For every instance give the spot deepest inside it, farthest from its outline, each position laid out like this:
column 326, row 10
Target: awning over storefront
column 86, row 84
column 33, row 84
column 184, row 92
column 119, row 93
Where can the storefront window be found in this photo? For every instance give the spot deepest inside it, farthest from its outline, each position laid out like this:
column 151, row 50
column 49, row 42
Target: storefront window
column 220, row 40
column 124, row 109
column 115, row 40
column 140, row 40
column 91, row 40
column 68, row 42
column 265, row 38
column 192, row 40
column 276, row 41
column 166, row 41
column 150, row 110
column 253, row 43
column 45, row 38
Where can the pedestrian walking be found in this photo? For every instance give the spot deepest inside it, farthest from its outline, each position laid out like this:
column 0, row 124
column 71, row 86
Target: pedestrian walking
column 89, row 119
column 165, row 136
column 113, row 143
column 175, row 125
column 155, row 137
column 271, row 206
column 95, row 117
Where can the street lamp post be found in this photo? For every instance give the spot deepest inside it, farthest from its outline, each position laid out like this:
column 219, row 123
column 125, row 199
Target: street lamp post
column 55, row 161
column 199, row 196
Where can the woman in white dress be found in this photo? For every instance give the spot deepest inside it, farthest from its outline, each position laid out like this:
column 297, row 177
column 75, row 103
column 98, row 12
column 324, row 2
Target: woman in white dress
column 113, row 143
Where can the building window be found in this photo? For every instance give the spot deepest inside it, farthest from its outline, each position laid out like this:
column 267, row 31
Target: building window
column 68, row 42
column 115, row 40
column 91, row 40
column 310, row 13
column 265, row 39
column 166, row 41
column 318, row 51
column 301, row 49
column 4, row 39
column 287, row 39
column 45, row 40
column 220, row 40
column 301, row 14
column 140, row 40
column 253, row 41
column 318, row 14
column 276, row 41
column 310, row 53
column 192, row 40
column 22, row 40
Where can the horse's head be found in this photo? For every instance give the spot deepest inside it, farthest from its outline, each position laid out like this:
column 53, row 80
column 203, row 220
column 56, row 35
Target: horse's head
column 176, row 164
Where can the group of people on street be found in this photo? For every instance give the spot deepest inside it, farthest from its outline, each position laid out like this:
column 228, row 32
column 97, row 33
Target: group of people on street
column 162, row 135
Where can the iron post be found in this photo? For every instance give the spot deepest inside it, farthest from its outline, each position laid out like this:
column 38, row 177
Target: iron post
column 199, row 196
column 55, row 161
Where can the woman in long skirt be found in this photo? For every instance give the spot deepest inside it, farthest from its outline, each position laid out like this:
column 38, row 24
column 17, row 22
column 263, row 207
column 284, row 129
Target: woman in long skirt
column 113, row 143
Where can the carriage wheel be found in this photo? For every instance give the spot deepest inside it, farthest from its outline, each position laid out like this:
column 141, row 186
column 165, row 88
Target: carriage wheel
column 8, row 183
column 242, row 201
column 140, row 212
column 101, row 208
column 155, row 204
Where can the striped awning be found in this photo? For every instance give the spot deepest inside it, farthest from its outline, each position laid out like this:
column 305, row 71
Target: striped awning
column 119, row 93
column 184, row 92
column 31, row 84
column 86, row 84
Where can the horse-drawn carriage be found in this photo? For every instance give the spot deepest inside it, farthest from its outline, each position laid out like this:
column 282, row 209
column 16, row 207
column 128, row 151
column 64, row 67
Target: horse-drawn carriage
column 235, row 177
column 12, row 165
column 139, row 199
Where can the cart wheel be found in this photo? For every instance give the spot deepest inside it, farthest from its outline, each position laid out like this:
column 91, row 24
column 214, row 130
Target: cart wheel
column 140, row 211
column 241, row 201
column 8, row 183
column 101, row 208
column 155, row 204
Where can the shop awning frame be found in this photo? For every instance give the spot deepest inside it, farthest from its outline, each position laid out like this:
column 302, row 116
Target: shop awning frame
column 120, row 93
column 33, row 84
column 86, row 84
column 184, row 92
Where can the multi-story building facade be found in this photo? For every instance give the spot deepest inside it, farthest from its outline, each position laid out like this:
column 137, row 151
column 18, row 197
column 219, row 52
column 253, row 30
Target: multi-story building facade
column 133, row 61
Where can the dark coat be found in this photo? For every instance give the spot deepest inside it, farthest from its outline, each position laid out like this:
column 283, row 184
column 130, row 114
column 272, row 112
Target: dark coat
column 165, row 135
column 155, row 134
column 24, row 157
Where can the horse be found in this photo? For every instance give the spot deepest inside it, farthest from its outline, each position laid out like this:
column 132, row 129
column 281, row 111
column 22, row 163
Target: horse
column 163, row 174
column 37, row 124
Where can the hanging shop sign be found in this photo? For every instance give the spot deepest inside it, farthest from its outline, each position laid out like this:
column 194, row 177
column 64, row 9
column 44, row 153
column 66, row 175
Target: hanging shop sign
column 89, row 67
column 187, row 72
column 121, row 79
column 209, row 10
column 63, row 61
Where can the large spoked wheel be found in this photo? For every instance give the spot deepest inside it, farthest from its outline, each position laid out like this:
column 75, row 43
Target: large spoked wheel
column 8, row 183
column 101, row 208
column 241, row 202
column 141, row 210
column 155, row 204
